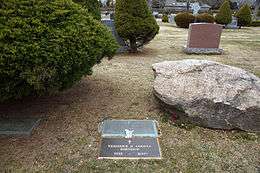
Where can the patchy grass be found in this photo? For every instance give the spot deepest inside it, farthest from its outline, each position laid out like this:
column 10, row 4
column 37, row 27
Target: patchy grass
column 68, row 139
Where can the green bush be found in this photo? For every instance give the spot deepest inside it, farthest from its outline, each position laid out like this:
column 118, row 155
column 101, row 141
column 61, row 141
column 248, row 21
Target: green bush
column 93, row 7
column 224, row 16
column 134, row 22
column 183, row 20
column 244, row 17
column 47, row 46
column 165, row 18
column 255, row 23
column 205, row 18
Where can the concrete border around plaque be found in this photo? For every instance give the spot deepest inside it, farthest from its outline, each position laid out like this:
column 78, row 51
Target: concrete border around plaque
column 119, row 128
column 18, row 126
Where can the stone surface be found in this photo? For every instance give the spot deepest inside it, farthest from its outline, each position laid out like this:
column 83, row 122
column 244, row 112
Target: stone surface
column 209, row 94
column 111, row 25
column 18, row 126
column 213, row 51
column 204, row 35
column 233, row 24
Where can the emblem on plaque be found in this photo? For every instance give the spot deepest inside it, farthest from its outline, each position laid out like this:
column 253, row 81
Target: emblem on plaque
column 129, row 133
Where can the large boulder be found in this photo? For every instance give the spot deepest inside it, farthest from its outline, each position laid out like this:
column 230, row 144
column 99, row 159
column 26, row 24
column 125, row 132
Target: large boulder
column 209, row 94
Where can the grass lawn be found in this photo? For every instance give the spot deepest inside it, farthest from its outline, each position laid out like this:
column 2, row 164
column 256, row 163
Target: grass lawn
column 67, row 140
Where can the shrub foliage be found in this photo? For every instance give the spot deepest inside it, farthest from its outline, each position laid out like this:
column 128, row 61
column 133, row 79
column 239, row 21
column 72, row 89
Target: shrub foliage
column 255, row 23
column 205, row 18
column 47, row 46
column 183, row 20
column 165, row 18
column 93, row 7
column 224, row 16
column 244, row 17
column 134, row 22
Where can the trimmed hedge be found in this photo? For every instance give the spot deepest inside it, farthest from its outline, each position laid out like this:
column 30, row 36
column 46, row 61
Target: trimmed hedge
column 224, row 16
column 165, row 18
column 184, row 19
column 244, row 17
column 135, row 23
column 205, row 18
column 47, row 46
column 255, row 23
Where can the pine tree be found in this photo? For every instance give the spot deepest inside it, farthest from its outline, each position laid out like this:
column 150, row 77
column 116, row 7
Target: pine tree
column 135, row 23
column 224, row 16
column 47, row 46
column 93, row 7
column 244, row 16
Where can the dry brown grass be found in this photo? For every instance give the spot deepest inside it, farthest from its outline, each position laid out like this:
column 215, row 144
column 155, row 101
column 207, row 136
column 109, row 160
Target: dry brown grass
column 67, row 140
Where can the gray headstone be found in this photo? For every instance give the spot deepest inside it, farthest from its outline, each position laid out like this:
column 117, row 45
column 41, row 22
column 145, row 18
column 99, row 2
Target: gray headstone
column 195, row 8
column 233, row 24
column 171, row 18
column 111, row 25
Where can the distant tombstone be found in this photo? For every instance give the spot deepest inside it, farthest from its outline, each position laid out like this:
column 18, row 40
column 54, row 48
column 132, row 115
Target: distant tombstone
column 155, row 14
column 195, row 8
column 105, row 16
column 160, row 15
column 111, row 25
column 233, row 24
column 171, row 18
column 204, row 38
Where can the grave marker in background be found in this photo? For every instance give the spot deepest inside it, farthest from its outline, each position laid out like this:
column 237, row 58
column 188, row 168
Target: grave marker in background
column 195, row 8
column 171, row 18
column 204, row 38
column 111, row 25
column 233, row 24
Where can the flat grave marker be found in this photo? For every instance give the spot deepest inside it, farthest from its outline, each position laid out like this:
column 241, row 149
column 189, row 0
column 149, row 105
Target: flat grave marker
column 129, row 139
column 18, row 126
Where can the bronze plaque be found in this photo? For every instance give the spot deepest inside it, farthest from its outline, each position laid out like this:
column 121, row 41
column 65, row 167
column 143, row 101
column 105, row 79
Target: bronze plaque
column 130, row 148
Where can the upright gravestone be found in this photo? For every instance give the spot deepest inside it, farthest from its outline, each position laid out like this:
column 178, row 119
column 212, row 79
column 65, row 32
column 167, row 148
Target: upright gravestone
column 195, row 8
column 129, row 139
column 171, row 18
column 111, row 25
column 233, row 24
column 204, row 38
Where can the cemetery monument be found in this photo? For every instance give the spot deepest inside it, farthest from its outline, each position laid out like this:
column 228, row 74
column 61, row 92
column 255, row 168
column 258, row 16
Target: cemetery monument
column 204, row 38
